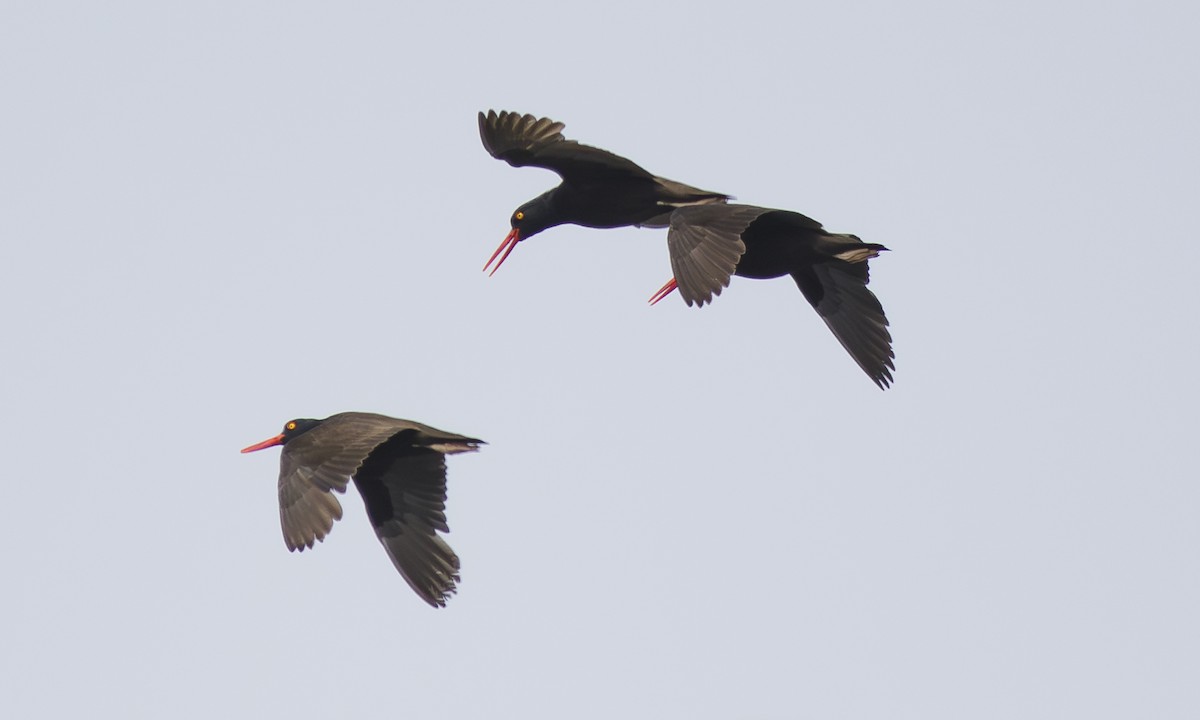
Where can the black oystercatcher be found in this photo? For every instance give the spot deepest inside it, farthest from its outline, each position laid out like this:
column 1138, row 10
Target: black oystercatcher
column 398, row 466
column 599, row 189
column 712, row 242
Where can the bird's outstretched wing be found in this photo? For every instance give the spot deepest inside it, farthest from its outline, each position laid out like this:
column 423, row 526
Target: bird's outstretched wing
column 838, row 290
column 525, row 140
column 308, row 476
column 705, row 243
column 403, row 483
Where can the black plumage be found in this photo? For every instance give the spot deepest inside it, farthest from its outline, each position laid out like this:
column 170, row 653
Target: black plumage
column 709, row 244
column 399, row 468
column 599, row 189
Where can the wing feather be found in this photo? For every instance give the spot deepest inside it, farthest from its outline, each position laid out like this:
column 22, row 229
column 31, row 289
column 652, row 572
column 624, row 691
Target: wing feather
column 838, row 291
column 529, row 141
column 705, row 244
column 403, row 484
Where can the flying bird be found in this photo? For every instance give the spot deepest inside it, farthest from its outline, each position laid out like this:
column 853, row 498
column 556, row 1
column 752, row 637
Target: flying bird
column 399, row 468
column 598, row 189
column 710, row 243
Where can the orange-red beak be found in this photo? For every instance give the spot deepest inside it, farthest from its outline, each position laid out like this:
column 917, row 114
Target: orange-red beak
column 510, row 241
column 664, row 291
column 277, row 440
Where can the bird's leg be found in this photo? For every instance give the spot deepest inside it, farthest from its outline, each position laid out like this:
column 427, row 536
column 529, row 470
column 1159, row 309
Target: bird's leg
column 664, row 291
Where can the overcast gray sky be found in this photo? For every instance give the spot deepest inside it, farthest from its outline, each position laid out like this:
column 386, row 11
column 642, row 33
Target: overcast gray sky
column 218, row 218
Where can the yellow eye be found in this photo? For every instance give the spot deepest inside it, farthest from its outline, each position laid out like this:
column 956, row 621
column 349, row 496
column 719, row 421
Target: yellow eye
column 520, row 215
column 291, row 426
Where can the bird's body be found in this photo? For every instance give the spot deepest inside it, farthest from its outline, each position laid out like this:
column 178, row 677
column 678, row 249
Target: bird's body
column 599, row 189
column 399, row 469
column 711, row 243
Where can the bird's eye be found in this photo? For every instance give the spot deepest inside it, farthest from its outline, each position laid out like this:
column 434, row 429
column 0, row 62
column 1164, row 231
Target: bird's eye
column 520, row 215
column 291, row 425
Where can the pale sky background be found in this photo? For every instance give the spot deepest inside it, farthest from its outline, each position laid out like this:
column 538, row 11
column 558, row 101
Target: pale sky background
column 219, row 216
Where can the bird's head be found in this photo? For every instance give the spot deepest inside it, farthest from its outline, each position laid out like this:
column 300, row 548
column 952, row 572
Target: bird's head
column 291, row 429
column 526, row 221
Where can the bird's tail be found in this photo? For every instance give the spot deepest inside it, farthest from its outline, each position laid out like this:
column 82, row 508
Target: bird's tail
column 678, row 194
column 454, row 444
column 697, row 197
column 849, row 248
